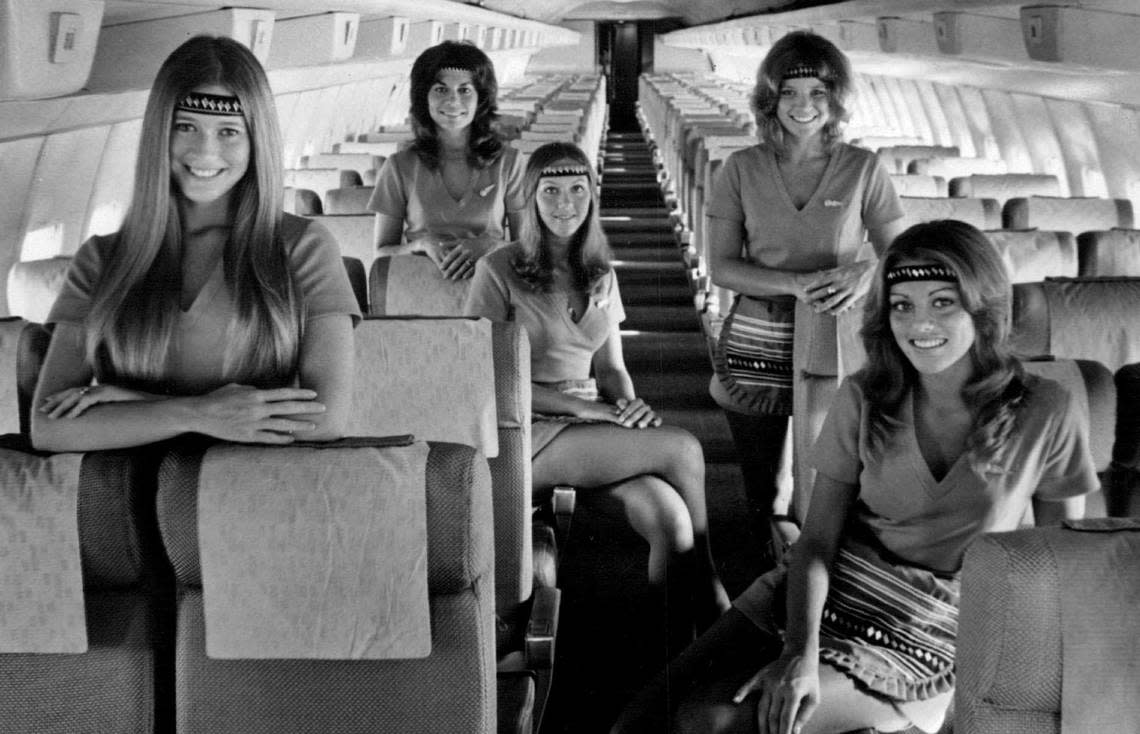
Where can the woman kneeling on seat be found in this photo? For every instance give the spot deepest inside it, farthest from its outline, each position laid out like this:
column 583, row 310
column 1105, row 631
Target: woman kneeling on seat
column 557, row 282
column 939, row 438
column 211, row 311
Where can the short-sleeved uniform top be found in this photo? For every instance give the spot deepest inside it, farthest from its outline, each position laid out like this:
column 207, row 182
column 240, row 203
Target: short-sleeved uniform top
column 854, row 193
column 409, row 190
column 195, row 363
column 560, row 348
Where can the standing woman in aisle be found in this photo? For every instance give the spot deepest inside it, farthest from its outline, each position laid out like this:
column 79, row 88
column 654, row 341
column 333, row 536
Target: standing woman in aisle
column 449, row 193
column 211, row 311
column 785, row 221
column 595, row 433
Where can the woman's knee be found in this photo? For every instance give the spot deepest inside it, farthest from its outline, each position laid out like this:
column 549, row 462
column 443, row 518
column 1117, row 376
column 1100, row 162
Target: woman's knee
column 682, row 449
column 656, row 510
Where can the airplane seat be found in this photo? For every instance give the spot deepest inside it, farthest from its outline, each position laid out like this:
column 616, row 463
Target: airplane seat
column 354, row 233
column 897, row 158
column 302, row 202
column 1005, row 186
column 1074, row 214
column 33, row 286
column 348, row 201
column 121, row 682
column 358, row 279
column 916, row 184
column 950, row 167
column 1078, row 318
column 981, row 213
column 451, row 689
column 1047, row 629
column 1114, row 252
column 1032, row 255
column 357, row 162
column 397, row 358
column 320, row 180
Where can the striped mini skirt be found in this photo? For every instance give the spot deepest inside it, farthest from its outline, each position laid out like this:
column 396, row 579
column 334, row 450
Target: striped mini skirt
column 753, row 355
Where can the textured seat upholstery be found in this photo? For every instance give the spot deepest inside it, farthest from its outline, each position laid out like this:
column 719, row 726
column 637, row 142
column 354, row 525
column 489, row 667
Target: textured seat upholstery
column 352, row 200
column 1046, row 635
column 452, row 690
column 1108, row 253
column 121, row 684
column 355, row 233
column 1034, row 255
column 1074, row 215
column 1005, row 186
column 981, row 213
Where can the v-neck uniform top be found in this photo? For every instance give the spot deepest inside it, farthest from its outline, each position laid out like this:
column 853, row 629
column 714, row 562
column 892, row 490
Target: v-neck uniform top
column 855, row 193
column 560, row 348
column 930, row 523
column 196, row 361
column 409, row 190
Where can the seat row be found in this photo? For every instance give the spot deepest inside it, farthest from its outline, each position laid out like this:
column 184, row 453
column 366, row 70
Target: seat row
column 148, row 665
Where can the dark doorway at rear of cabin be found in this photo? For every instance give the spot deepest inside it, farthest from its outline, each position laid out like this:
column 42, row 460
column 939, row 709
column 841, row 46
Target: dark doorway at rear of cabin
column 625, row 51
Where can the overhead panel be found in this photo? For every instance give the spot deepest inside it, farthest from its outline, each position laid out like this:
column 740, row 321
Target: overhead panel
column 129, row 55
column 314, row 39
column 47, row 46
column 423, row 34
column 1065, row 34
column 907, row 36
column 979, row 36
column 382, row 38
column 858, row 36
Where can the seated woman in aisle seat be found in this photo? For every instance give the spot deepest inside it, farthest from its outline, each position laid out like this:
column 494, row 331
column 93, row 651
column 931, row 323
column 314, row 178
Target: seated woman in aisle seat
column 448, row 194
column 210, row 311
column 941, row 437
column 595, row 433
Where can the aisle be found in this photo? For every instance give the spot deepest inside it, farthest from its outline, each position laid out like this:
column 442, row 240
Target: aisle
column 612, row 634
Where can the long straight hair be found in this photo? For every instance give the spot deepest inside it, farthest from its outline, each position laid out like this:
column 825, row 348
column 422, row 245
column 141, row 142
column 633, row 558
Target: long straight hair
column 997, row 385
column 485, row 145
column 801, row 48
column 129, row 329
column 589, row 254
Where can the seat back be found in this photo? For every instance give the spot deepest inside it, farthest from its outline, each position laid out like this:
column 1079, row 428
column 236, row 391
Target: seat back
column 320, row 180
column 14, row 401
column 1005, row 186
column 1091, row 385
column 302, row 202
column 453, row 689
column 355, row 233
column 412, row 285
column 348, row 201
column 1114, row 252
column 358, row 279
column 916, row 184
column 981, row 213
column 423, row 376
column 1073, row 214
column 359, row 162
column 950, row 167
column 1033, row 255
column 897, row 158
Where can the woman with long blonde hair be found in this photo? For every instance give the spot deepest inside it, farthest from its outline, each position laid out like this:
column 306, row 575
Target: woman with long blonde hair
column 210, row 311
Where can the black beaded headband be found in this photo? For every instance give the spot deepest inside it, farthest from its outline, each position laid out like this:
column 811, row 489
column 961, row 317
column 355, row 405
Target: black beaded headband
column 565, row 170
column 209, row 104
column 905, row 273
column 802, row 71
column 454, row 68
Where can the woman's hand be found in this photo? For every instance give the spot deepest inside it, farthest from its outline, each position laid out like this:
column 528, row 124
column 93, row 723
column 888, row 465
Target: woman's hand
column 836, row 290
column 789, row 694
column 456, row 258
column 636, row 413
column 246, row 414
column 75, row 401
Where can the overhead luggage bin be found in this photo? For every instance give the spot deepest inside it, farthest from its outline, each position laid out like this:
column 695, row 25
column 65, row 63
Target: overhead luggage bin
column 314, row 39
column 1059, row 33
column 130, row 54
column 906, row 36
column 979, row 36
column 46, row 48
column 382, row 38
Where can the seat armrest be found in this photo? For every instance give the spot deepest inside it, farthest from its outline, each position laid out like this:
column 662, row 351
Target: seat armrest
column 542, row 629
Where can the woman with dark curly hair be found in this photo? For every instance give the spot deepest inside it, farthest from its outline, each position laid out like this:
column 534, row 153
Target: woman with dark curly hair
column 595, row 433
column 786, row 221
column 939, row 438
column 449, row 193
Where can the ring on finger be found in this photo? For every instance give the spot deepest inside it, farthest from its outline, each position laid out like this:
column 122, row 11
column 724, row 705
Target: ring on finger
column 831, row 290
column 84, row 390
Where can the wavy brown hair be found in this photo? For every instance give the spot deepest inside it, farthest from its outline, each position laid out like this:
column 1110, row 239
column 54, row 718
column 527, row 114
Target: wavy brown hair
column 590, row 253
column 998, row 385
column 485, row 145
column 129, row 328
column 801, row 48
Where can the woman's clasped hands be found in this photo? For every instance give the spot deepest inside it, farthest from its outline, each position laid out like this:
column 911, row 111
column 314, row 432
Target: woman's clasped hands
column 789, row 694
column 456, row 257
column 835, row 290
column 634, row 413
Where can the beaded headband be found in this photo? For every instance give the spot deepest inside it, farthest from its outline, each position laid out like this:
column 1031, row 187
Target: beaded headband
column 905, row 273
column 454, row 68
column 209, row 104
column 565, row 170
column 803, row 71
